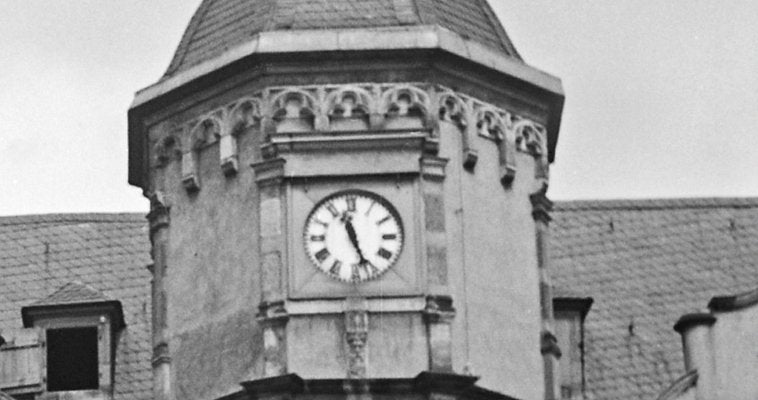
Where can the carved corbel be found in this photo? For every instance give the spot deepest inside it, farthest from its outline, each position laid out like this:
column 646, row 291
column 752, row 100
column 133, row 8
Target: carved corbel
column 244, row 114
column 458, row 112
column 438, row 315
column 531, row 138
column 273, row 317
column 490, row 124
column 507, row 153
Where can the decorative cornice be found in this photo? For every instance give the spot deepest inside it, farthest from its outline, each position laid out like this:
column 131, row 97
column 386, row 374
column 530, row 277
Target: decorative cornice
column 358, row 116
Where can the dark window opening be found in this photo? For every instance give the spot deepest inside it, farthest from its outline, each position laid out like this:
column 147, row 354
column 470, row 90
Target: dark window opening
column 72, row 359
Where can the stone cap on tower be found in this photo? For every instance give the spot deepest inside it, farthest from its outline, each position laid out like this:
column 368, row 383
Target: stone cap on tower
column 220, row 25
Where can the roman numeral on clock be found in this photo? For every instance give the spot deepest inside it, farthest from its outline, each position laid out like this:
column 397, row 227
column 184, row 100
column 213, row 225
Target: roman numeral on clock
column 332, row 209
column 322, row 255
column 350, row 203
column 389, row 236
column 318, row 238
column 336, row 268
column 384, row 253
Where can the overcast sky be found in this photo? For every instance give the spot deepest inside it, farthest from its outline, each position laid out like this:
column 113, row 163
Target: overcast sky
column 662, row 95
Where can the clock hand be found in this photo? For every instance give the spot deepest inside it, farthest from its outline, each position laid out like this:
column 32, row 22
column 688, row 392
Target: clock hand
column 354, row 239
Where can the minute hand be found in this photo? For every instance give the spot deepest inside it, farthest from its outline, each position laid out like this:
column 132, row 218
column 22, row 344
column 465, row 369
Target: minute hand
column 354, row 240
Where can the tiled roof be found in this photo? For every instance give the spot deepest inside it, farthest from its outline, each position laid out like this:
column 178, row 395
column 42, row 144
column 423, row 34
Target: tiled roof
column 106, row 254
column 219, row 25
column 645, row 263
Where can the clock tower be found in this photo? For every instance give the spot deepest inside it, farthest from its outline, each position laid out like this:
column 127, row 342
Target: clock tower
column 348, row 199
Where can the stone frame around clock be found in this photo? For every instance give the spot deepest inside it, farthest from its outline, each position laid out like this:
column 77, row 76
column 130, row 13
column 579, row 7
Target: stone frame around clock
column 404, row 278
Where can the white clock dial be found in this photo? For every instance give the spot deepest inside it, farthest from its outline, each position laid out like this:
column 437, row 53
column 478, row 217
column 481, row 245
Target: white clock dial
column 353, row 236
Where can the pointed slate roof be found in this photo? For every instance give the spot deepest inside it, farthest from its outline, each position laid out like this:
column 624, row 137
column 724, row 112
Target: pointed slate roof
column 219, row 25
column 72, row 293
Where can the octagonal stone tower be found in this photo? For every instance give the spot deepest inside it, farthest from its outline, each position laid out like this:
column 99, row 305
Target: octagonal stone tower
column 283, row 137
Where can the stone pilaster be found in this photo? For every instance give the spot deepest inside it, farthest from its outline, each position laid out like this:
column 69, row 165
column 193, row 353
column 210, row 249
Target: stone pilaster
column 433, row 176
column 159, row 235
column 272, row 314
column 541, row 207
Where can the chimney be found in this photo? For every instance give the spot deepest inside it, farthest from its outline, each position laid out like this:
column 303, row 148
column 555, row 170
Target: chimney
column 698, row 350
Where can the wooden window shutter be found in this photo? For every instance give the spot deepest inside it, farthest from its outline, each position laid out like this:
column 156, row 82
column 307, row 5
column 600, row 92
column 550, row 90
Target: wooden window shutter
column 21, row 361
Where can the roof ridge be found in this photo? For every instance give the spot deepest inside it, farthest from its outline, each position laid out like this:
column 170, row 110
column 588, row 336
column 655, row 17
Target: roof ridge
column 651, row 204
column 70, row 217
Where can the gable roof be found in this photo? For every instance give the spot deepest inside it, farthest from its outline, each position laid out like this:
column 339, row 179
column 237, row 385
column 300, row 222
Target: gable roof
column 72, row 293
column 220, row 25
column 106, row 254
column 645, row 263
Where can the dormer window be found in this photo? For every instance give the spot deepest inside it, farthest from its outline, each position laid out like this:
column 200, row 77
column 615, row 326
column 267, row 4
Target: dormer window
column 79, row 326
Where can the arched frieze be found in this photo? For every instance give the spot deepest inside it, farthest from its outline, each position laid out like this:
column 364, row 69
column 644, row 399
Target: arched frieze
column 455, row 110
column 405, row 107
column 166, row 148
column 494, row 124
column 349, row 108
column 294, row 110
column 531, row 138
column 205, row 131
column 243, row 114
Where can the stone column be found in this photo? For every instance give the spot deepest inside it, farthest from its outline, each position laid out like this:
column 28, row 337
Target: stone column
column 159, row 235
column 541, row 207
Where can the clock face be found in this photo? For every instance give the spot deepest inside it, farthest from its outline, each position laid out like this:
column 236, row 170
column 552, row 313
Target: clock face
column 353, row 236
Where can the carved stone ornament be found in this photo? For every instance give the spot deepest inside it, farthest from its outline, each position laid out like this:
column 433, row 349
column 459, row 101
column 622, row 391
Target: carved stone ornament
column 357, row 107
column 356, row 337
